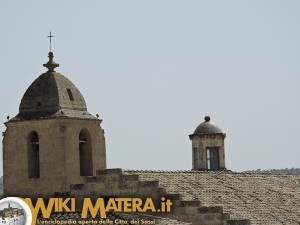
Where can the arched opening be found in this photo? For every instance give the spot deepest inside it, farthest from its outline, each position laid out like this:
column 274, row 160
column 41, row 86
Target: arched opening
column 85, row 153
column 196, row 159
column 212, row 159
column 33, row 152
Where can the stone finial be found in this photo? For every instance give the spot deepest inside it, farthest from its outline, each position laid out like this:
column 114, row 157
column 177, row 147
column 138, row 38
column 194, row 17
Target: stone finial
column 51, row 65
column 207, row 119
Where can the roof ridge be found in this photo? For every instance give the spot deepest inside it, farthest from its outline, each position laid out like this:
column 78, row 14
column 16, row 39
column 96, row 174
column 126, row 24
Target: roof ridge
column 213, row 172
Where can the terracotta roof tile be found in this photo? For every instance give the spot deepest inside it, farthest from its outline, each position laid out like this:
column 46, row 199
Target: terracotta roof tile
column 264, row 198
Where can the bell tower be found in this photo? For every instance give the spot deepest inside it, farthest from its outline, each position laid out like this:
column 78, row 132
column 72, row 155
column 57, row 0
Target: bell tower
column 208, row 147
column 53, row 141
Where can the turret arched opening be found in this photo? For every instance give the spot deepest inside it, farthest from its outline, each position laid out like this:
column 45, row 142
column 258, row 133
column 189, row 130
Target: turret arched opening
column 85, row 153
column 33, row 152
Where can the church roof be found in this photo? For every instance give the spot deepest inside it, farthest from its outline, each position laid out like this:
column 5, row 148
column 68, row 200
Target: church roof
column 52, row 95
column 262, row 198
column 207, row 127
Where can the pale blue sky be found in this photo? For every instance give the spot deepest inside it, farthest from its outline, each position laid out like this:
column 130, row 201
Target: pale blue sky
column 153, row 69
column 12, row 204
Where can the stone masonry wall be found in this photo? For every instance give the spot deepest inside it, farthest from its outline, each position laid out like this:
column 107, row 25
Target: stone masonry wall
column 58, row 154
column 202, row 142
column 113, row 183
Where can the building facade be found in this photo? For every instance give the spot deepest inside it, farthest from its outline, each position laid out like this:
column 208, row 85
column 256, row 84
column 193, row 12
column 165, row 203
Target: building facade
column 59, row 150
column 54, row 140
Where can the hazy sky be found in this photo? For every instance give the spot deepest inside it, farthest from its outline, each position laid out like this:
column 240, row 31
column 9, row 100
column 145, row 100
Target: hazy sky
column 153, row 69
column 12, row 204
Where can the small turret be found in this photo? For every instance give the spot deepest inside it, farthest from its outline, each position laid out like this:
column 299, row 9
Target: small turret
column 208, row 146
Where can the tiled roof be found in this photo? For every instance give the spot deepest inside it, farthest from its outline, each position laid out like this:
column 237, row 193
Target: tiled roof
column 264, row 198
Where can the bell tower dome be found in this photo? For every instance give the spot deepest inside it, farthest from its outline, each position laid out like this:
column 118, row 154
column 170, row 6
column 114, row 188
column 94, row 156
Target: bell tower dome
column 208, row 147
column 54, row 140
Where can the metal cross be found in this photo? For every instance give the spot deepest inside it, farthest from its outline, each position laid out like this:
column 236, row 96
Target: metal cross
column 50, row 36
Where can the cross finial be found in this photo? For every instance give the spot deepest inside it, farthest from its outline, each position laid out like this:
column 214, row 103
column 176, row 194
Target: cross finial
column 50, row 36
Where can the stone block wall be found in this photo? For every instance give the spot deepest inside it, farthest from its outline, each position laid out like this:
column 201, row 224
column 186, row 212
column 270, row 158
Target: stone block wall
column 113, row 183
column 204, row 141
column 58, row 155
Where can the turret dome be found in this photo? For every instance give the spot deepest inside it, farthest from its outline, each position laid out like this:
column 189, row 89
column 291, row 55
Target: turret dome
column 52, row 95
column 208, row 127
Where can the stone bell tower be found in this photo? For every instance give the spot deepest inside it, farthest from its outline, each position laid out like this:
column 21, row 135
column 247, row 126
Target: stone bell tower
column 53, row 141
column 208, row 147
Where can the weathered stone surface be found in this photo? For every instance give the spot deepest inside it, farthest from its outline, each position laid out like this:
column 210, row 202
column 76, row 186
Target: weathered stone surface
column 52, row 95
column 208, row 127
column 54, row 140
column 264, row 199
column 112, row 183
column 208, row 151
column 59, row 155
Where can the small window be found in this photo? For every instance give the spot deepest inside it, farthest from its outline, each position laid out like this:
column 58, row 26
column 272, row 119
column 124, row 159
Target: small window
column 33, row 151
column 208, row 159
column 70, row 94
column 85, row 153
column 212, row 159
column 196, row 159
